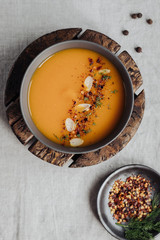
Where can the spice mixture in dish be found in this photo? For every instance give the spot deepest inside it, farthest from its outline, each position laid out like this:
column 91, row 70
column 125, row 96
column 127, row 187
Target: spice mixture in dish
column 130, row 199
column 76, row 97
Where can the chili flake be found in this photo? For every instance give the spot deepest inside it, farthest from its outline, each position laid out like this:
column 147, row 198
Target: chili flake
column 130, row 199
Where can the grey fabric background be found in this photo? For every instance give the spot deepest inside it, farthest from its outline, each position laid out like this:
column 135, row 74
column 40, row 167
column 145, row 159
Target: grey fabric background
column 40, row 201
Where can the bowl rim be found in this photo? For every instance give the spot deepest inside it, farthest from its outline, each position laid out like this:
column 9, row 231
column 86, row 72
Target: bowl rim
column 49, row 143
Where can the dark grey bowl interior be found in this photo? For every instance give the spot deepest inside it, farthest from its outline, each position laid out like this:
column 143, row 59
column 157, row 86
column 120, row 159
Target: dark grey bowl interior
column 129, row 96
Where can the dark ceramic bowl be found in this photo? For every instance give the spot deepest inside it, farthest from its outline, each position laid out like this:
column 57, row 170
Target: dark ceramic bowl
column 102, row 199
column 129, row 96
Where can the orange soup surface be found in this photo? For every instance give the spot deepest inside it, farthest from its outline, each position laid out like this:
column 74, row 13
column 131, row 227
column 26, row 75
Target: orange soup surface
column 76, row 97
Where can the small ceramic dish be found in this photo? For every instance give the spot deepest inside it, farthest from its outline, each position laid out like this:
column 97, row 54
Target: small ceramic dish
column 129, row 96
column 122, row 173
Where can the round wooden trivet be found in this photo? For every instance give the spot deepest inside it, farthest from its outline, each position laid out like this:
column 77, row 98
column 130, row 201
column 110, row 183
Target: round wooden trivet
column 18, row 125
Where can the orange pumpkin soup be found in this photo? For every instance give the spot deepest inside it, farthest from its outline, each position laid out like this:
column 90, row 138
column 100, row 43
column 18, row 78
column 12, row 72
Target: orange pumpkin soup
column 76, row 97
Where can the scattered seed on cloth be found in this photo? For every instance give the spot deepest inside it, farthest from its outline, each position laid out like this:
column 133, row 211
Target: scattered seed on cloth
column 149, row 21
column 139, row 15
column 138, row 49
column 125, row 32
column 134, row 15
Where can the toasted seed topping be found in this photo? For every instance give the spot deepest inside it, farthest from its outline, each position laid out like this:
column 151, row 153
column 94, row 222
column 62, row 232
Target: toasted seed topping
column 82, row 107
column 88, row 83
column 75, row 142
column 70, row 125
column 104, row 71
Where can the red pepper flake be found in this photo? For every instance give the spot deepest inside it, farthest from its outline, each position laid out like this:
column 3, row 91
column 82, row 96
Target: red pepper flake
column 98, row 60
column 99, row 67
column 90, row 61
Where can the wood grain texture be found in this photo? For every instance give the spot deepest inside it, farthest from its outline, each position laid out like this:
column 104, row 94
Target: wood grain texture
column 117, row 145
column 26, row 57
column 101, row 39
column 132, row 69
column 49, row 155
column 14, row 112
column 22, row 132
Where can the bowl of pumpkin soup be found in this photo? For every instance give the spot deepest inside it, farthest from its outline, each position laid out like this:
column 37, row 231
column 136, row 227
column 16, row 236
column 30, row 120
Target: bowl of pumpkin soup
column 76, row 97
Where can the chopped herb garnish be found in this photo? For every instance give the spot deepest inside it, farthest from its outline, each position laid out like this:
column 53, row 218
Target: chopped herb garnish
column 87, row 131
column 156, row 201
column 95, row 85
column 86, row 98
column 105, row 77
column 98, row 98
column 88, row 114
column 94, row 123
column 66, row 136
column 61, row 139
column 78, row 135
column 98, row 104
column 114, row 91
column 55, row 136
column 108, row 106
column 76, row 122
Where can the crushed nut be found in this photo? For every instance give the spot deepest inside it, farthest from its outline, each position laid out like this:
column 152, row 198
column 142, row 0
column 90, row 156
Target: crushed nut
column 130, row 198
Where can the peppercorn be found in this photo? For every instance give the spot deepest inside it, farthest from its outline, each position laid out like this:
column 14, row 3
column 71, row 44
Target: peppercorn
column 139, row 15
column 149, row 21
column 125, row 32
column 134, row 15
column 138, row 49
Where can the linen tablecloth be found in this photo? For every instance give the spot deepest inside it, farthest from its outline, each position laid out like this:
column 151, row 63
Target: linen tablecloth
column 39, row 200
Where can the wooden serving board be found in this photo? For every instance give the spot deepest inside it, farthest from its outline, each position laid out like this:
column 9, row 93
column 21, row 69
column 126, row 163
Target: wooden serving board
column 15, row 117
